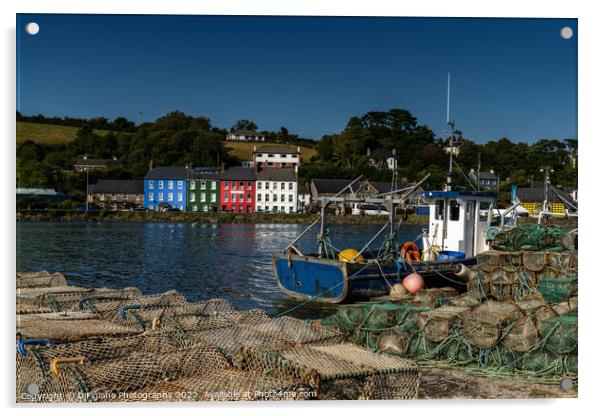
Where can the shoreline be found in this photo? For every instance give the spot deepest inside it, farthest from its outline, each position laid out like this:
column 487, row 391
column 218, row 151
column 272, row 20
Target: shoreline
column 203, row 218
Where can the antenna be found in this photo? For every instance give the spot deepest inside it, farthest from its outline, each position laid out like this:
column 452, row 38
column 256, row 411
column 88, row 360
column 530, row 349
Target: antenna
column 448, row 90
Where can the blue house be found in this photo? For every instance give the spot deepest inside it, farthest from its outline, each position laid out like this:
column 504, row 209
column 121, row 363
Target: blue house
column 165, row 188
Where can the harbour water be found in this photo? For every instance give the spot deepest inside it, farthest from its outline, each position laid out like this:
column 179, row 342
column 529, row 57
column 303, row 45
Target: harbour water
column 202, row 261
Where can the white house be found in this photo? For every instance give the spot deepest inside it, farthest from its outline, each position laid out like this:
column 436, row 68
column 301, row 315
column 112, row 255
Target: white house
column 276, row 157
column 276, row 190
column 381, row 158
column 245, row 136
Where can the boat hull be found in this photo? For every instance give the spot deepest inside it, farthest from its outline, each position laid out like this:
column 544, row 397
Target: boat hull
column 333, row 281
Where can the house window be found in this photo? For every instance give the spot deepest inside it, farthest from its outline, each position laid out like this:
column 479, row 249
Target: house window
column 267, row 186
column 170, row 196
column 290, row 210
column 248, row 210
column 270, row 155
column 213, row 185
column 290, row 198
column 248, row 197
column 192, row 196
column 180, row 196
column 275, row 198
column 180, row 184
column 151, row 196
column 193, row 185
column 281, row 198
column 160, row 196
column 160, row 184
column 181, row 207
column 241, row 185
column 226, row 197
column 203, row 196
column 213, row 197
column 151, row 184
column 283, row 156
column 282, row 209
column 195, row 208
column 282, row 185
column 203, row 185
column 249, row 185
column 259, row 185
column 205, row 209
column 267, row 208
column 259, row 197
column 290, row 186
column 226, row 184
column 170, row 184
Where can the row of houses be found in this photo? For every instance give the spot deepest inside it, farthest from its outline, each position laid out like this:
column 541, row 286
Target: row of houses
column 238, row 189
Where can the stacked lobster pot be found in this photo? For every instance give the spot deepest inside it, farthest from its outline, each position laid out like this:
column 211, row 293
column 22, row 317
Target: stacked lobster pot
column 518, row 315
column 78, row 344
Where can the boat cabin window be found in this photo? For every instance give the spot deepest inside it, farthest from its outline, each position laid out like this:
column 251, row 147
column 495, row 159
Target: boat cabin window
column 439, row 207
column 454, row 210
column 469, row 206
column 484, row 207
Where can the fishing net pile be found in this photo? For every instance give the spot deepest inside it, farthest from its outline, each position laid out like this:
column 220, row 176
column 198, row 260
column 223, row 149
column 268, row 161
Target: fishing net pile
column 78, row 345
column 536, row 238
column 518, row 317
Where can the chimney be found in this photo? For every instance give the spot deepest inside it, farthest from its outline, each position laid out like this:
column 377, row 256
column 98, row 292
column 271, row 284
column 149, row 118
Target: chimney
column 85, row 157
column 393, row 151
column 296, row 169
column 151, row 165
column 368, row 152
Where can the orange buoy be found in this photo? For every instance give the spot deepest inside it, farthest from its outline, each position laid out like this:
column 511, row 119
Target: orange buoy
column 414, row 283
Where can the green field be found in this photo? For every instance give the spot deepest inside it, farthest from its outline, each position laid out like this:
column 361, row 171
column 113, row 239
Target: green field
column 244, row 150
column 48, row 133
column 55, row 134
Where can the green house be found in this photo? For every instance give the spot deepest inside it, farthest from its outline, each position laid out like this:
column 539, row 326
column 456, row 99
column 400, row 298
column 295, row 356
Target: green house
column 203, row 190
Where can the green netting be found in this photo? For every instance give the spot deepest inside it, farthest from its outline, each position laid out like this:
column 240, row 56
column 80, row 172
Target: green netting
column 556, row 290
column 532, row 238
column 560, row 333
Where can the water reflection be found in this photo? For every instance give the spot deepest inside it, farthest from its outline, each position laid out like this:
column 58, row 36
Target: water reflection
column 202, row 261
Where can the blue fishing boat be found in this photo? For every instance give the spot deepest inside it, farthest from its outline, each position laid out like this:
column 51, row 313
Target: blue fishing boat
column 458, row 224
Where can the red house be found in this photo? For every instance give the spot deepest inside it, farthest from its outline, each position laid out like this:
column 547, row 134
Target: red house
column 237, row 190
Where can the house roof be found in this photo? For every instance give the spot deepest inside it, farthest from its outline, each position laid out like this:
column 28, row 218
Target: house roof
column 246, row 133
column 277, row 174
column 484, row 175
column 239, row 173
column 538, row 195
column 332, row 186
column 168, row 172
column 118, row 186
column 383, row 153
column 92, row 162
column 276, row 149
column 210, row 173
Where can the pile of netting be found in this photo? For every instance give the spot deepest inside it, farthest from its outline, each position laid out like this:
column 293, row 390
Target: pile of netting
column 77, row 345
column 518, row 317
column 536, row 238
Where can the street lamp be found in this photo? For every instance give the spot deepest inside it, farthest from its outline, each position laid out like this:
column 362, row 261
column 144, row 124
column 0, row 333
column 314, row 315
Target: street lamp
column 87, row 194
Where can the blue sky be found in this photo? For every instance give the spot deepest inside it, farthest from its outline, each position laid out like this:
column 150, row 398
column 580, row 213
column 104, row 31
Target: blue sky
column 514, row 78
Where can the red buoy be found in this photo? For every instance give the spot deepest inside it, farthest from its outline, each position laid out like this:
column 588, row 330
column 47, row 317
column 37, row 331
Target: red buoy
column 414, row 283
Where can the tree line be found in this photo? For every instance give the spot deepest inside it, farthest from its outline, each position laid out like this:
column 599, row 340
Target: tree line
column 181, row 139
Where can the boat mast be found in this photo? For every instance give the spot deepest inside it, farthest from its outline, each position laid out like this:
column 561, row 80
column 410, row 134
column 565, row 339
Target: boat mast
column 450, row 124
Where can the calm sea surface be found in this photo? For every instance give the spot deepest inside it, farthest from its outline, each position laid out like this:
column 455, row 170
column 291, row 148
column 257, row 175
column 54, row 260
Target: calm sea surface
column 201, row 261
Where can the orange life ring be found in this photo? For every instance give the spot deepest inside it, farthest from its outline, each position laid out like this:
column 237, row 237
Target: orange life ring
column 409, row 251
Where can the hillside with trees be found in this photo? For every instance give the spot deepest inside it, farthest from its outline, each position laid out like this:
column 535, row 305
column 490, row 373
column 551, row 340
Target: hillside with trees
column 180, row 139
